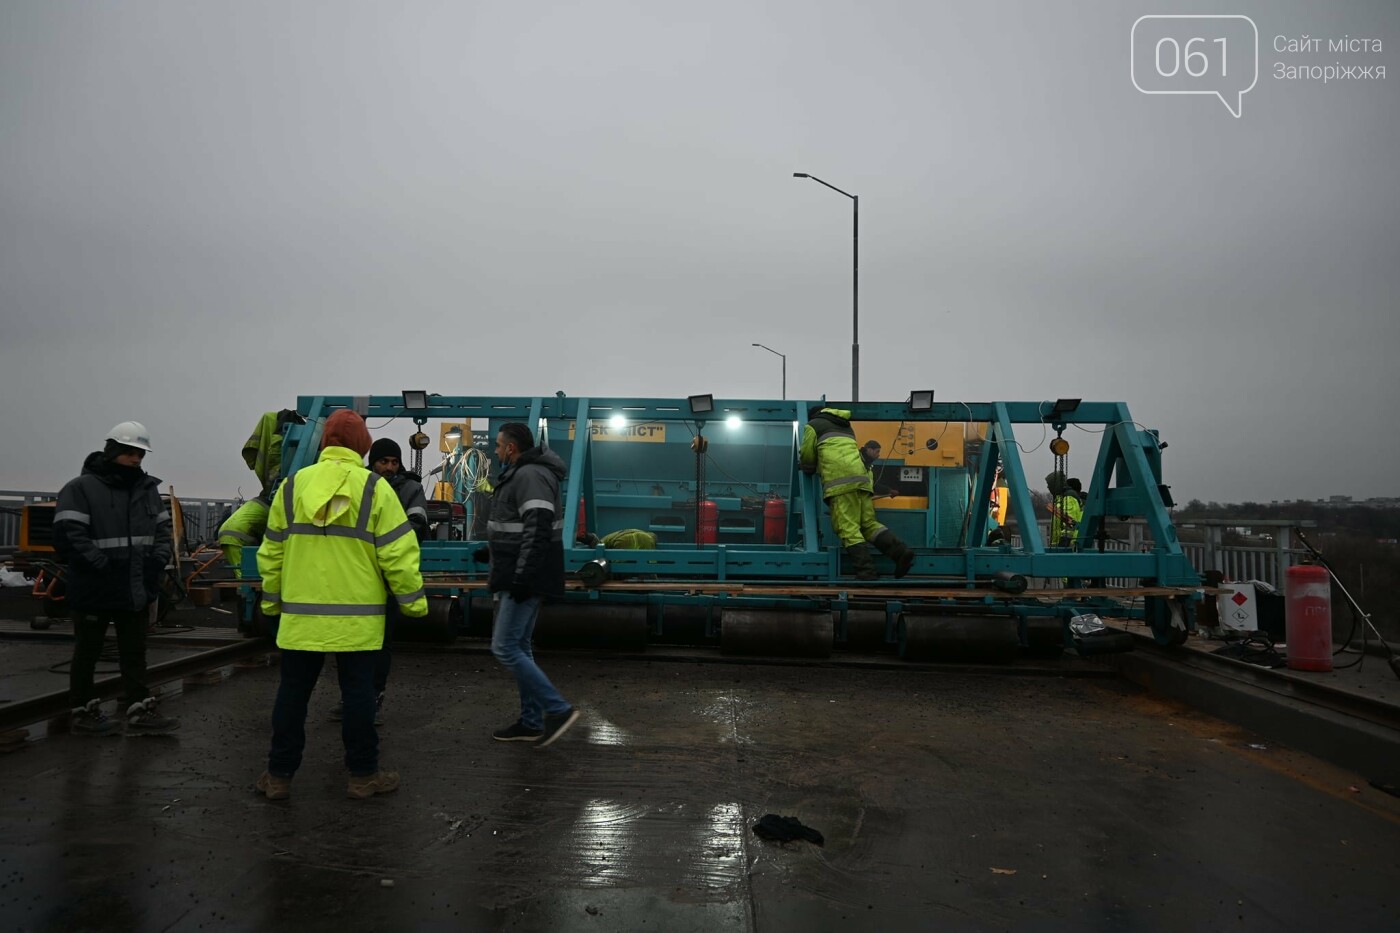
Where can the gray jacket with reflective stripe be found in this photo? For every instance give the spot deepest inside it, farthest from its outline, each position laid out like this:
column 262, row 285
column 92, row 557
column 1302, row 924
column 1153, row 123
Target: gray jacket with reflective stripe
column 409, row 488
column 113, row 531
column 526, row 530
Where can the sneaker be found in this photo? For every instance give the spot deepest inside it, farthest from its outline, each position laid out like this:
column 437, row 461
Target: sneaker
column 365, row 786
column 90, row 720
column 517, row 732
column 557, row 725
column 143, row 719
column 273, row 787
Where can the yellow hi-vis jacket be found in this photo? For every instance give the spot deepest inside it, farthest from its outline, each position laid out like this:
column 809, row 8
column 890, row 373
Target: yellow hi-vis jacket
column 829, row 446
column 243, row 528
column 262, row 451
column 335, row 534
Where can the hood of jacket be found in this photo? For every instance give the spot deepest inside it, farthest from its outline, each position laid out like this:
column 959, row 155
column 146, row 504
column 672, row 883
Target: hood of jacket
column 333, row 486
column 538, row 456
column 398, row 479
column 113, row 474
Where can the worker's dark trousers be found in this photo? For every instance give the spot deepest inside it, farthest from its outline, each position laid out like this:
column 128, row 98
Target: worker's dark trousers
column 299, row 672
column 382, row 658
column 89, row 634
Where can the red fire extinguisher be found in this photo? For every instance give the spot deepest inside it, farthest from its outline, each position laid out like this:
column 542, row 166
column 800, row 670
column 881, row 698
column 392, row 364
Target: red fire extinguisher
column 707, row 530
column 582, row 519
column 775, row 521
column 1307, row 617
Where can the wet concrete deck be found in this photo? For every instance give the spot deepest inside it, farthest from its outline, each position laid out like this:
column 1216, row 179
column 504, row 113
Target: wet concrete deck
column 948, row 801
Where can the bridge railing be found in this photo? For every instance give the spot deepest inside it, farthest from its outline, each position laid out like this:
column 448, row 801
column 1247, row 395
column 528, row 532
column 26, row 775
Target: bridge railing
column 1266, row 562
column 202, row 516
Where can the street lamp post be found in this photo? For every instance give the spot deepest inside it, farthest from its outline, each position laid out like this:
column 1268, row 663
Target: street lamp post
column 855, row 281
column 784, row 356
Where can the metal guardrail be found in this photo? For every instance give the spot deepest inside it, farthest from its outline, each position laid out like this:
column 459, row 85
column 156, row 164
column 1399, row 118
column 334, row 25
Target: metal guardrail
column 202, row 516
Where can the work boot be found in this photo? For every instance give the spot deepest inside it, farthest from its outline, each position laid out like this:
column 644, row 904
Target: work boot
column 862, row 562
column 362, row 787
column 896, row 550
column 90, row 720
column 273, row 787
column 143, row 719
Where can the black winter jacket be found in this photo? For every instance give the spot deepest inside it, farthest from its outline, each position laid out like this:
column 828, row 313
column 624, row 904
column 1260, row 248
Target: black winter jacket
column 409, row 488
column 526, row 530
column 113, row 531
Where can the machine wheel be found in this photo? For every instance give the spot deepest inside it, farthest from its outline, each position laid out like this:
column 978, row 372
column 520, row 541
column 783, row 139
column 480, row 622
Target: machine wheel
column 40, row 623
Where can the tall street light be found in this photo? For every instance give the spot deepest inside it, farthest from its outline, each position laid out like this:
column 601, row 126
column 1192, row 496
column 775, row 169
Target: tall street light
column 855, row 281
column 784, row 356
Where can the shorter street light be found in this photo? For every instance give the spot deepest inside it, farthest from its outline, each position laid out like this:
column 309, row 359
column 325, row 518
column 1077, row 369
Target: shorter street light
column 784, row 356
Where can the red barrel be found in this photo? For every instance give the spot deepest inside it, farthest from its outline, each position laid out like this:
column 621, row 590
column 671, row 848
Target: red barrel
column 707, row 532
column 1307, row 617
column 775, row 521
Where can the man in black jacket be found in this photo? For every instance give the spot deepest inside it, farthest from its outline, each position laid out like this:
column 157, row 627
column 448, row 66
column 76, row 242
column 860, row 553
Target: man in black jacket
column 113, row 532
column 526, row 537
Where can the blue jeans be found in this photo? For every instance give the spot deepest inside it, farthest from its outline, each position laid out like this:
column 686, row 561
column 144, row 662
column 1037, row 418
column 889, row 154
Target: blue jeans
column 300, row 669
column 510, row 643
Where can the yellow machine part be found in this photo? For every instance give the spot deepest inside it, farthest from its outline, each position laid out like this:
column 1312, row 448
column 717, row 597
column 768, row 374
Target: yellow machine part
column 907, row 441
column 36, row 527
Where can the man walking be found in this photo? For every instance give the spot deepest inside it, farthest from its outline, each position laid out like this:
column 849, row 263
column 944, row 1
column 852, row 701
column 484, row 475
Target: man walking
column 526, row 537
column 336, row 535
column 113, row 532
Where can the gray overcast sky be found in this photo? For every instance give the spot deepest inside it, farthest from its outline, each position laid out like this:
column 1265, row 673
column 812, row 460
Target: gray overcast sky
column 207, row 209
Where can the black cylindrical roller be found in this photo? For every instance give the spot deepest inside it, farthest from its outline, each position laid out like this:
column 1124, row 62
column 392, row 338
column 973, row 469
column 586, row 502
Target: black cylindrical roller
column 929, row 636
column 595, row 573
column 1045, row 637
column 1008, row 582
column 592, row 625
column 681, row 624
column 777, row 632
column 480, row 616
column 865, row 630
column 438, row 626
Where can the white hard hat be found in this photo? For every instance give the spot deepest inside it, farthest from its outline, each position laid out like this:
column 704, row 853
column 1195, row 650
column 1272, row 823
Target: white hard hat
column 131, row 434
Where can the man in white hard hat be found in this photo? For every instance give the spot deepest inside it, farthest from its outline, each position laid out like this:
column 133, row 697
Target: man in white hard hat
column 114, row 534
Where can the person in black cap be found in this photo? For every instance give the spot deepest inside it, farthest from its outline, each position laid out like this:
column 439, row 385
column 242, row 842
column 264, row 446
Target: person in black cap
column 114, row 533
column 385, row 458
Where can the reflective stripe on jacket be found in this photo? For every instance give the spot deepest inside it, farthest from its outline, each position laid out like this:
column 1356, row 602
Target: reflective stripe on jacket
column 1061, row 531
column 415, row 504
column 829, row 444
column 335, row 535
column 245, row 527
